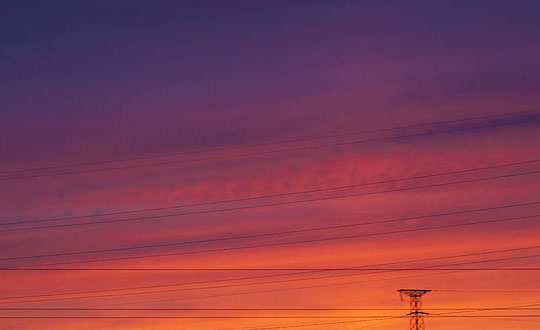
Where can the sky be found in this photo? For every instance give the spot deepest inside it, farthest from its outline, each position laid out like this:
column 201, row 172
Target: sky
column 268, row 138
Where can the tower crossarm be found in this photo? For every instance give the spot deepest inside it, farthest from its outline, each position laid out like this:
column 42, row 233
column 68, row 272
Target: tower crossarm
column 416, row 320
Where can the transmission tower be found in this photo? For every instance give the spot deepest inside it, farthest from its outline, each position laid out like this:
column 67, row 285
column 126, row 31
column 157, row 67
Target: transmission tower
column 416, row 321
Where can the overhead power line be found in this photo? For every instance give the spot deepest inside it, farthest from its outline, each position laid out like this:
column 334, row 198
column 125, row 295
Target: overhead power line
column 260, row 316
column 530, row 119
column 365, row 267
column 315, row 240
column 191, row 298
column 235, row 285
column 488, row 291
column 483, row 316
column 464, row 309
column 270, row 234
column 288, row 326
column 296, row 139
column 203, row 317
column 500, row 318
column 296, row 269
column 457, row 182
column 268, row 196
column 289, row 269
column 509, row 308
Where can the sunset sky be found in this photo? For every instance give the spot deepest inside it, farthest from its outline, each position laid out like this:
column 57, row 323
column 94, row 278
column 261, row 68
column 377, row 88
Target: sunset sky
column 232, row 165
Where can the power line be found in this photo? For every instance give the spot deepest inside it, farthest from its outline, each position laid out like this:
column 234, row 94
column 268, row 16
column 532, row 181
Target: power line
column 465, row 309
column 482, row 316
column 500, row 318
column 198, row 317
column 291, row 269
column 294, row 288
column 296, row 139
column 258, row 277
column 285, row 194
column 452, row 314
column 291, row 288
column 529, row 306
column 342, row 269
column 316, row 240
column 315, row 324
column 362, row 318
column 268, row 152
column 259, row 317
column 302, row 139
column 387, row 319
column 487, row 291
column 237, row 285
column 498, row 207
column 276, row 203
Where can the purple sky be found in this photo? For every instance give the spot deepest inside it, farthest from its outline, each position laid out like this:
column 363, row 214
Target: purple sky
column 84, row 81
column 126, row 78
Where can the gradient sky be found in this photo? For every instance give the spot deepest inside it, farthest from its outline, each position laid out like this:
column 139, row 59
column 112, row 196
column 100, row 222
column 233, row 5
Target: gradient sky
column 100, row 80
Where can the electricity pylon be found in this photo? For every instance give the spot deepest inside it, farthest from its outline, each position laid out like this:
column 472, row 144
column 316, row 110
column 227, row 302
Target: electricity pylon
column 416, row 322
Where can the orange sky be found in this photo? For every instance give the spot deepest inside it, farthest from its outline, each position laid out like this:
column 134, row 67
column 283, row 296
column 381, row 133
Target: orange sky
column 341, row 167
column 136, row 91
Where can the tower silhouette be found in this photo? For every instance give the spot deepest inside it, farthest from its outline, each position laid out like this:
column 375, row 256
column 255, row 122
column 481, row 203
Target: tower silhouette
column 416, row 321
